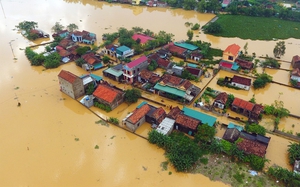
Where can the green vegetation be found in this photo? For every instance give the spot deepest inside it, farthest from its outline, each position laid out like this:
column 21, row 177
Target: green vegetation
column 270, row 62
column 81, row 50
column 213, row 28
column 27, row 26
column 255, row 128
column 50, row 61
column 76, row 139
column 79, row 62
column 276, row 109
column 196, row 26
column 57, row 27
column 96, row 146
column 293, row 152
column 113, row 120
column 102, row 122
column 279, row 49
column 90, row 89
column 205, row 133
column 152, row 66
column 262, row 80
column 289, row 178
column 105, row 59
column 257, row 28
column 132, row 95
column 190, row 34
column 72, row 27
column 294, row 82
column 221, row 82
column 102, row 106
column 187, row 75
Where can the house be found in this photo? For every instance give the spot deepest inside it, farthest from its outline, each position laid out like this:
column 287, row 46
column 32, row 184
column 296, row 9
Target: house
column 247, row 108
column 295, row 75
column 231, row 134
column 177, row 70
column 241, row 82
column 166, row 126
column 136, row 2
column 108, row 95
column 253, row 144
column 148, row 76
column 124, row 51
column 161, row 60
column 221, row 100
column 155, row 115
column 92, row 61
column 296, row 61
column 88, row 80
column 39, row 33
column 64, row 54
column 136, row 118
column 84, row 37
column 196, row 55
column 231, row 53
column 204, row 118
column 174, row 112
column 228, row 65
column 70, row 84
column 186, row 124
column 110, row 50
column 132, row 69
column 66, row 43
column 73, row 50
column 194, row 71
column 244, row 64
column 61, row 34
column 177, row 87
column 142, row 38
column 225, row 3
column 114, row 73
column 176, row 51
column 187, row 46
column 297, row 164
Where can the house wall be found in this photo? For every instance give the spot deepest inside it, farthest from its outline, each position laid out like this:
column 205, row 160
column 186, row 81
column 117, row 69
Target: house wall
column 296, row 64
column 74, row 90
column 135, row 71
column 118, row 100
column 240, row 86
column 229, row 57
column 219, row 105
column 133, row 127
column 78, row 88
column 184, row 129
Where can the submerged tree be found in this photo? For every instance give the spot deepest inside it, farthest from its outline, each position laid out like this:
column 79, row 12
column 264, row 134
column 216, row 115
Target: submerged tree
column 27, row 25
column 190, row 34
column 72, row 27
column 279, row 49
column 132, row 95
column 57, row 27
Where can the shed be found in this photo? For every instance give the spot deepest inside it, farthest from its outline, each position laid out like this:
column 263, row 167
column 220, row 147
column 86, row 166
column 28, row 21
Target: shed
column 231, row 134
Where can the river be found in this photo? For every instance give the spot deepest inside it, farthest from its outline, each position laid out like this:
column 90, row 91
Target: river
column 50, row 139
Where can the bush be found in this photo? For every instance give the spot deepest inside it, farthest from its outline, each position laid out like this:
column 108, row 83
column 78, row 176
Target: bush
column 196, row 26
column 102, row 106
column 255, row 128
column 239, row 177
column 132, row 95
column 52, row 60
column 262, row 80
column 293, row 152
column 289, row 178
column 257, row 163
column 114, row 120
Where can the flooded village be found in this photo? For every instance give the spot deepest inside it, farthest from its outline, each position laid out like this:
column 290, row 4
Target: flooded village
column 61, row 131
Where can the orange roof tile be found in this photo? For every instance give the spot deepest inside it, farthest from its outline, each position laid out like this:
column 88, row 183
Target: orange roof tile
column 139, row 113
column 106, row 93
column 187, row 121
column 243, row 104
column 68, row 76
column 233, row 49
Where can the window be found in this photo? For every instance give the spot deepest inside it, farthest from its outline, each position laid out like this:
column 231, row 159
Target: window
column 230, row 57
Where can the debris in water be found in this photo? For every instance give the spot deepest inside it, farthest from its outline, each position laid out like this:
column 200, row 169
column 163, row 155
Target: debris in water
column 19, row 104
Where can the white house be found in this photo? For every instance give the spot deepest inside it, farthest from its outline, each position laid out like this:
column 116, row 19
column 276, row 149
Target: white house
column 241, row 82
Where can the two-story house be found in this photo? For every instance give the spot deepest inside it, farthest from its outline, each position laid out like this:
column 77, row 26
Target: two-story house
column 124, row 51
column 70, row 84
column 132, row 69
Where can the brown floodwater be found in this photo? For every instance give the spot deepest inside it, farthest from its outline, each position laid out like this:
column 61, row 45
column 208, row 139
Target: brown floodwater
column 50, row 140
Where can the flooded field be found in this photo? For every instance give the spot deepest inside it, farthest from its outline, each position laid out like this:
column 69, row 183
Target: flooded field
column 52, row 140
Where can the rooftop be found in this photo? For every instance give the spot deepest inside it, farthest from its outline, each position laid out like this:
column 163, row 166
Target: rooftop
column 186, row 46
column 158, row 113
column 123, row 48
column 193, row 71
column 222, row 97
column 233, row 49
column 232, row 125
column 137, row 62
column 114, row 72
column 204, row 118
column 68, row 76
column 243, row 104
column 252, row 147
column 241, row 80
column 231, row 134
column 139, row 114
column 187, row 121
column 165, row 126
column 171, row 90
column 174, row 112
column 175, row 49
column 296, row 58
column 106, row 93
column 296, row 72
column 144, row 38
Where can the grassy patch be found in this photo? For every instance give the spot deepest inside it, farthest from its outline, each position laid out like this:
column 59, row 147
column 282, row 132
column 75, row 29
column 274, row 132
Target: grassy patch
column 257, row 28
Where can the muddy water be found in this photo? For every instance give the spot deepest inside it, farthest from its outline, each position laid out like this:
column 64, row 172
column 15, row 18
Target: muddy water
column 51, row 138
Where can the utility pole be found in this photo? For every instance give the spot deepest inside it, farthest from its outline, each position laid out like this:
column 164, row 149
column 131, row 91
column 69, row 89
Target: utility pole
column 12, row 50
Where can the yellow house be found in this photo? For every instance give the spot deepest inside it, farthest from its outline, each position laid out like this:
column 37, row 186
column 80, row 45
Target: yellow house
column 231, row 52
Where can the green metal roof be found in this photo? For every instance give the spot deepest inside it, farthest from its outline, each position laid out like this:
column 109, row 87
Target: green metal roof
column 186, row 46
column 123, row 48
column 170, row 90
column 142, row 104
column 204, row 118
column 96, row 77
column 113, row 72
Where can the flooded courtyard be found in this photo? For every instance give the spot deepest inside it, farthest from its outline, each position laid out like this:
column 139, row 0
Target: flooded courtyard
column 52, row 140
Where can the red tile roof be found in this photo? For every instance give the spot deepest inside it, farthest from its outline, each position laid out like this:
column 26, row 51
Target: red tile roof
column 222, row 97
column 233, row 49
column 243, row 104
column 186, row 84
column 63, row 53
column 187, row 121
column 193, row 71
column 139, row 114
column 162, row 62
column 174, row 112
column 90, row 58
column 170, row 79
column 68, row 76
column 65, row 43
column 257, row 109
column 146, row 74
column 174, row 49
column 106, row 93
column 252, row 147
column 241, row 80
column 144, row 38
column 296, row 72
column 158, row 113
column 137, row 62
column 244, row 64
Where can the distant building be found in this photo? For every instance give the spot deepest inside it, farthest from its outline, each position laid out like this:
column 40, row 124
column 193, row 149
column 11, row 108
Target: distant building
column 186, row 124
column 137, row 117
column 221, row 100
column 142, row 38
column 177, row 70
column 247, row 108
column 124, row 51
column 84, row 37
column 241, row 82
column 70, row 84
column 166, row 126
column 114, row 73
column 231, row 52
column 296, row 61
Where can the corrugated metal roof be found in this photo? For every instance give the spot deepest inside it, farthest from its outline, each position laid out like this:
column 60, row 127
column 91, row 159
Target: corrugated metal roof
column 204, row 118
column 186, row 46
column 170, row 90
column 114, row 72
column 165, row 126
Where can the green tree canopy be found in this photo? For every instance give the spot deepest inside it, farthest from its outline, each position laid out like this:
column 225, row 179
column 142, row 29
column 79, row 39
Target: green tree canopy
column 57, row 27
column 262, row 80
column 72, row 27
column 213, row 28
column 132, row 95
column 27, row 25
column 294, row 152
column 205, row 133
column 279, row 49
column 190, row 34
